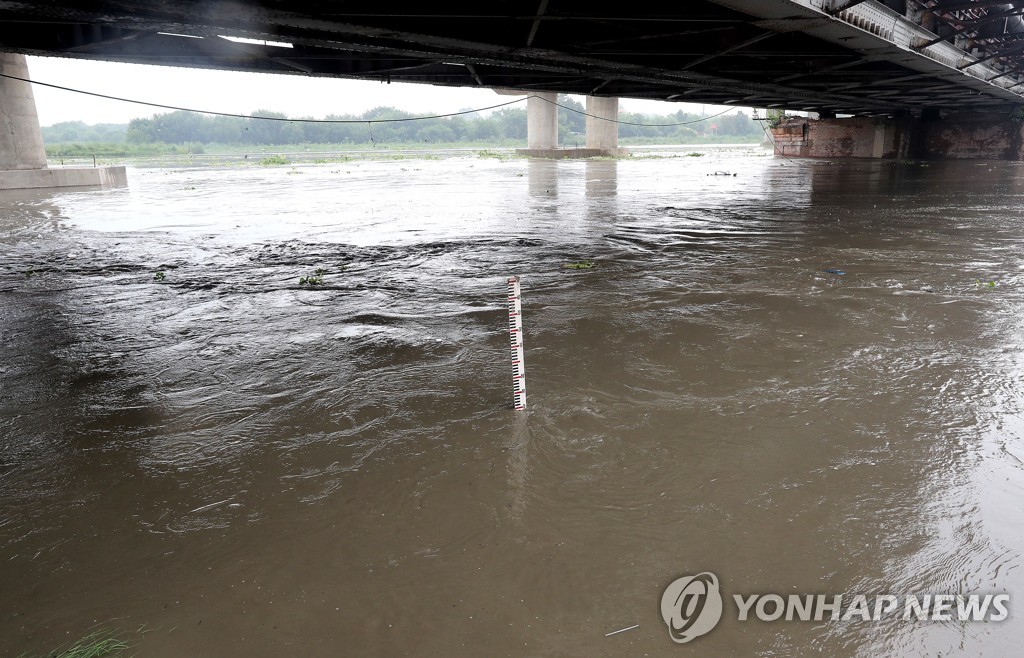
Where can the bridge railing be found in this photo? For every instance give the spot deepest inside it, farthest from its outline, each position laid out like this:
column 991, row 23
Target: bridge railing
column 885, row 23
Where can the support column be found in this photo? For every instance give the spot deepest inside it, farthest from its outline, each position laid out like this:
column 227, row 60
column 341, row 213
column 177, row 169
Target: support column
column 878, row 149
column 22, row 156
column 542, row 120
column 542, row 127
column 603, row 132
column 21, row 142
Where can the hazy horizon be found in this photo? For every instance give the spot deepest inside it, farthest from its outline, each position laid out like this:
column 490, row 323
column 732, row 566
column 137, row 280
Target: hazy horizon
column 244, row 93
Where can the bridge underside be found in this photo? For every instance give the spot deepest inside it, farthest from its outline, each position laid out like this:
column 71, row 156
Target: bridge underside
column 765, row 53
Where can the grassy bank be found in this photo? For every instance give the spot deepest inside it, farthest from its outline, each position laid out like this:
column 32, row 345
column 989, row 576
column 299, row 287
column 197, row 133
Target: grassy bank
column 278, row 158
column 164, row 155
column 121, row 150
column 71, row 151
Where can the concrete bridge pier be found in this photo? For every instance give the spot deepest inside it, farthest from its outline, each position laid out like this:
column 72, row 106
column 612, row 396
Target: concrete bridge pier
column 602, row 129
column 22, row 156
column 21, row 142
column 20, row 139
column 542, row 120
column 542, row 127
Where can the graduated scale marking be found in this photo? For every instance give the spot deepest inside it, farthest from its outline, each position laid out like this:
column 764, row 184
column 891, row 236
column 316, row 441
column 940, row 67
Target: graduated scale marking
column 515, row 332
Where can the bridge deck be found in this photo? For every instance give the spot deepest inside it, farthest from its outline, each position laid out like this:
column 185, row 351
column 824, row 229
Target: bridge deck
column 866, row 59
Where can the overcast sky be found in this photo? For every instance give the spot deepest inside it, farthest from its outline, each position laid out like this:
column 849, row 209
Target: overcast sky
column 243, row 93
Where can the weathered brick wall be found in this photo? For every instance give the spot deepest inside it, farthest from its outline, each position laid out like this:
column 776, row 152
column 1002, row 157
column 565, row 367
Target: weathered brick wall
column 977, row 135
column 842, row 138
column 967, row 135
column 832, row 138
column 791, row 138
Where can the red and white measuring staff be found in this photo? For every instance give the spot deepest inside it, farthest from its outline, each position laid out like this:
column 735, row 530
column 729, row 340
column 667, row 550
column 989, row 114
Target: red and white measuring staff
column 515, row 332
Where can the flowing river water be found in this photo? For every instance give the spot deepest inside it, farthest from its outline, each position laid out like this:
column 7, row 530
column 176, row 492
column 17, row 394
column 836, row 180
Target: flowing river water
column 223, row 462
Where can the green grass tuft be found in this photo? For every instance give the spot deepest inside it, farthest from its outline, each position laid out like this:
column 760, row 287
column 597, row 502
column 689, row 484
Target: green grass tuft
column 274, row 160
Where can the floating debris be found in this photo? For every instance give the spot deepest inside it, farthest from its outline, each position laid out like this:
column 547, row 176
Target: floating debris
column 316, row 279
column 832, row 270
column 203, row 508
column 579, row 265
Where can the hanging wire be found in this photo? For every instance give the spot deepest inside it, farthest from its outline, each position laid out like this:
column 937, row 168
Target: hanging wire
column 366, row 121
column 632, row 123
column 246, row 116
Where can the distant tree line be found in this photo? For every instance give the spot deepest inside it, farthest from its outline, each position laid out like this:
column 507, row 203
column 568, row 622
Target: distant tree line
column 182, row 127
column 78, row 131
column 507, row 125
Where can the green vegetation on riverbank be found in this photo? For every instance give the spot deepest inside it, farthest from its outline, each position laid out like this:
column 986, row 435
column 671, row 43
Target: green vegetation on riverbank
column 118, row 150
column 292, row 155
column 72, row 151
column 189, row 133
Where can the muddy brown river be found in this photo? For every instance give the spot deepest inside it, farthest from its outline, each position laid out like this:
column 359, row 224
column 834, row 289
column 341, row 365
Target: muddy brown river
column 220, row 461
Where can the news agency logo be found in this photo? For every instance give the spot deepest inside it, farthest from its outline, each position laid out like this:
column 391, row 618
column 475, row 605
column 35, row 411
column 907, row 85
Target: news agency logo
column 693, row 605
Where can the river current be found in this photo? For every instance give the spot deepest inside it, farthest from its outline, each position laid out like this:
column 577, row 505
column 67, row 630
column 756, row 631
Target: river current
column 805, row 377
